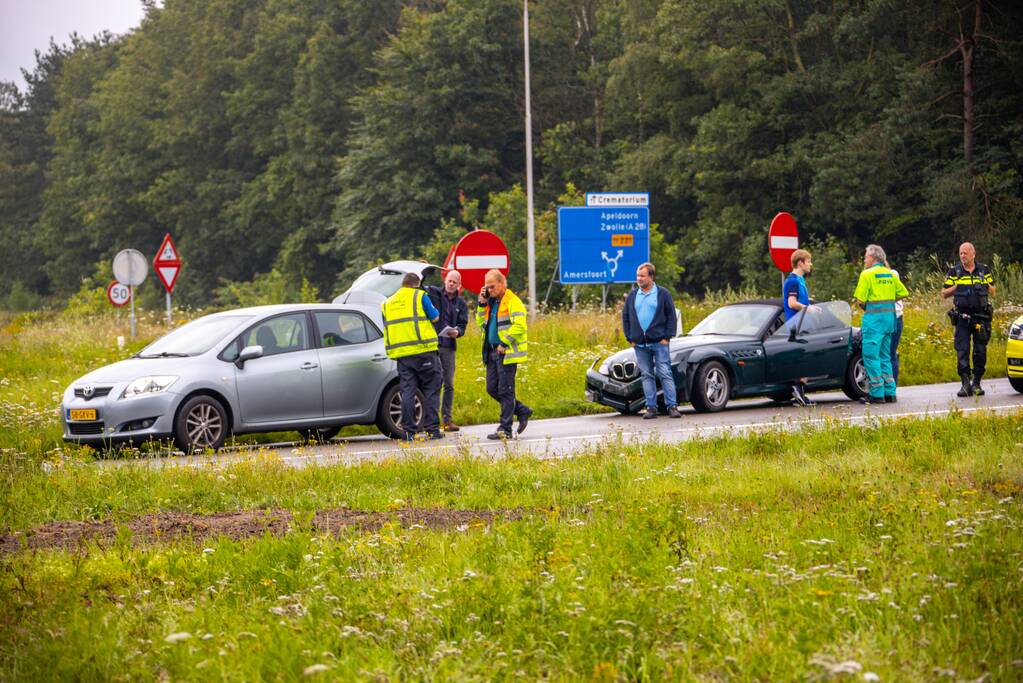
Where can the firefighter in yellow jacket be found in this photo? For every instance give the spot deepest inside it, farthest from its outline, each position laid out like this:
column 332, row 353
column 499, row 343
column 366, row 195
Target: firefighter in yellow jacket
column 502, row 316
column 411, row 340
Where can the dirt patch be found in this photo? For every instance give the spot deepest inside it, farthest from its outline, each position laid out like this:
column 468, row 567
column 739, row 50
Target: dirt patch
column 172, row 526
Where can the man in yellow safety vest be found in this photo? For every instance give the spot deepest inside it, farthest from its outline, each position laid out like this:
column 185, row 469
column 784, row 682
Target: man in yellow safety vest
column 502, row 316
column 411, row 340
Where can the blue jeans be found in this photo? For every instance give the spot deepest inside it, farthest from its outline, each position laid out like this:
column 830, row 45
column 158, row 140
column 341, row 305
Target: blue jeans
column 896, row 336
column 654, row 361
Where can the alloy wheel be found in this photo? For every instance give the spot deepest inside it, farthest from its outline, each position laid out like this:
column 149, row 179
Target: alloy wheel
column 716, row 387
column 204, row 426
column 395, row 409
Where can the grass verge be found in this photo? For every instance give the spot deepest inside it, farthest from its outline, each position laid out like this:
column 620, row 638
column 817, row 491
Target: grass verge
column 892, row 549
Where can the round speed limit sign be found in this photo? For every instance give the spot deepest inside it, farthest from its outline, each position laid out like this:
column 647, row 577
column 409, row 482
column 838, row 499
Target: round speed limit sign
column 118, row 294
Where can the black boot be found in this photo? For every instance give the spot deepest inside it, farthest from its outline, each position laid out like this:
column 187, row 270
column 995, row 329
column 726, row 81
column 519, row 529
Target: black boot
column 977, row 390
column 967, row 388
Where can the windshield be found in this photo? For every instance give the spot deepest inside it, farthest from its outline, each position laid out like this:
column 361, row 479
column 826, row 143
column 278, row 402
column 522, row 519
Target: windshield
column 198, row 336
column 741, row 320
column 830, row 315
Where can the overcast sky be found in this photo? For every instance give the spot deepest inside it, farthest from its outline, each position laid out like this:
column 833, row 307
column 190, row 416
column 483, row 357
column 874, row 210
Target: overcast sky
column 28, row 25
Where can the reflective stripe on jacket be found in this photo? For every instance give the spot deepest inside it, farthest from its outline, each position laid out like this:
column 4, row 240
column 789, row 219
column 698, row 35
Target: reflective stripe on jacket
column 971, row 288
column 511, row 326
column 878, row 288
column 407, row 329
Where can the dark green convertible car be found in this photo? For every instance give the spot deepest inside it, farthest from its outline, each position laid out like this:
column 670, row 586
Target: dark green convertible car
column 745, row 350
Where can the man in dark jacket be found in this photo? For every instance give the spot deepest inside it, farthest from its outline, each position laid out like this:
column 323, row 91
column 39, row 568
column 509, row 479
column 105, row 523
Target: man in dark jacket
column 649, row 322
column 454, row 314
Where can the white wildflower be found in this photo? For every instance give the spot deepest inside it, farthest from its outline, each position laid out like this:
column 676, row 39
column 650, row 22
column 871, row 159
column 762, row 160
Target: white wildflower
column 177, row 637
column 314, row 669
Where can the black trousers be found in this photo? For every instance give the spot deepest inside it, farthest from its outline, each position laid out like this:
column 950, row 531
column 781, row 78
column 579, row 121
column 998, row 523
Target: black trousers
column 421, row 372
column 979, row 332
column 501, row 387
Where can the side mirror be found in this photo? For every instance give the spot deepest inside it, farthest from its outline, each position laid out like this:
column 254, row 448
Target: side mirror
column 248, row 353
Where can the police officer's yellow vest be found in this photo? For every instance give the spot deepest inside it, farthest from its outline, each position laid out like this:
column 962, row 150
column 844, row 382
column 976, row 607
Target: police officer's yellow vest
column 407, row 329
column 511, row 326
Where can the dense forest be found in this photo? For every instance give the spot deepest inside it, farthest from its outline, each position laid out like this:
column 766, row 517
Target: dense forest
column 291, row 141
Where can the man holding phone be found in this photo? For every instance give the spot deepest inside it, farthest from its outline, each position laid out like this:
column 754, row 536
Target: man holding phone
column 502, row 316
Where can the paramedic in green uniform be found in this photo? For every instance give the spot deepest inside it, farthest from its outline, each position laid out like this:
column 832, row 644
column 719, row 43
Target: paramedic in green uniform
column 878, row 289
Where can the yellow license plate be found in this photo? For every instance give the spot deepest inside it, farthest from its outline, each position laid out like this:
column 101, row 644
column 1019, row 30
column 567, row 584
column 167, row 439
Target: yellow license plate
column 83, row 414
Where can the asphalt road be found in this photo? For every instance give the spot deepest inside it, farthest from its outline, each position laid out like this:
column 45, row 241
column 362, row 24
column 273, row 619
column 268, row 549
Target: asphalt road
column 560, row 437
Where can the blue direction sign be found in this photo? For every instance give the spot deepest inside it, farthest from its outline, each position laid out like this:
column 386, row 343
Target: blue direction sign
column 600, row 245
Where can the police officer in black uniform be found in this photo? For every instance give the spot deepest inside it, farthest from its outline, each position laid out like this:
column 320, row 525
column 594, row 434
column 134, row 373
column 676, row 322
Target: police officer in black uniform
column 971, row 285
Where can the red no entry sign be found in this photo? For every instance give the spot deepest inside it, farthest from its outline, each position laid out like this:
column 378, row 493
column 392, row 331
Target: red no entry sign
column 782, row 240
column 475, row 254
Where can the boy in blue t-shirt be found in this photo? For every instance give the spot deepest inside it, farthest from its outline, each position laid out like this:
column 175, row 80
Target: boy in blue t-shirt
column 794, row 298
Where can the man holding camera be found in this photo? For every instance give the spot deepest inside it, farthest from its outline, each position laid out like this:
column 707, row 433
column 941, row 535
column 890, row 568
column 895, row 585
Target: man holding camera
column 971, row 285
column 502, row 316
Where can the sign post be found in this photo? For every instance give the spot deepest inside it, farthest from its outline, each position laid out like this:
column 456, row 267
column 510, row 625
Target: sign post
column 782, row 240
column 168, row 265
column 130, row 268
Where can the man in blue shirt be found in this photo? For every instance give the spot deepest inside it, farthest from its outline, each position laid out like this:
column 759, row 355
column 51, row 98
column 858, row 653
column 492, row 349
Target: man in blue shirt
column 795, row 298
column 649, row 321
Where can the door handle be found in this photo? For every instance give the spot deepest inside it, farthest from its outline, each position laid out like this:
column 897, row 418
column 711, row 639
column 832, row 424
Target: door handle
column 378, row 358
column 308, row 366
column 837, row 340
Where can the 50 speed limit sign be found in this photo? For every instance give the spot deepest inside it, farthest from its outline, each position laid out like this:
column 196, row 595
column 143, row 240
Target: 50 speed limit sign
column 118, row 294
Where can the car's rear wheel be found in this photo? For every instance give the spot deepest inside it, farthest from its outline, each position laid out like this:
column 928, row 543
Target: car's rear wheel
column 1017, row 383
column 319, row 434
column 201, row 424
column 389, row 412
column 856, row 383
column 712, row 388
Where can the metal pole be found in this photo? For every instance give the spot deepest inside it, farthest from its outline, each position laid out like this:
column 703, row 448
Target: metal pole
column 131, row 295
column 168, row 308
column 530, row 226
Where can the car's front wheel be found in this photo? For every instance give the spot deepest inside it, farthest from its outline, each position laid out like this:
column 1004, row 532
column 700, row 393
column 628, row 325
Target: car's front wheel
column 711, row 388
column 389, row 412
column 1017, row 383
column 856, row 383
column 201, row 424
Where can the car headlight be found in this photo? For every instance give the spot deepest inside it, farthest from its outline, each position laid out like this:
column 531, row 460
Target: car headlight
column 153, row 384
column 1016, row 332
column 605, row 367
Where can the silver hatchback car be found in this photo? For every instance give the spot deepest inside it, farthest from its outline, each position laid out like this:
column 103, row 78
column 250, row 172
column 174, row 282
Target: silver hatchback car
column 308, row 367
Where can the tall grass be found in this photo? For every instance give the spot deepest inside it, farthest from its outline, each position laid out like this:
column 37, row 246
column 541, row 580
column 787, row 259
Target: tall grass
column 892, row 549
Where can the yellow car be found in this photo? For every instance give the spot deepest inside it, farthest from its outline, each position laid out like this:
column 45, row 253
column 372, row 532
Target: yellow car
column 1014, row 354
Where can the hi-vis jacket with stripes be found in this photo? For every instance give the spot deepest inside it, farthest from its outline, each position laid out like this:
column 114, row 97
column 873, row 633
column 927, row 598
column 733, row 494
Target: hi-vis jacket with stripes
column 407, row 329
column 878, row 288
column 511, row 326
